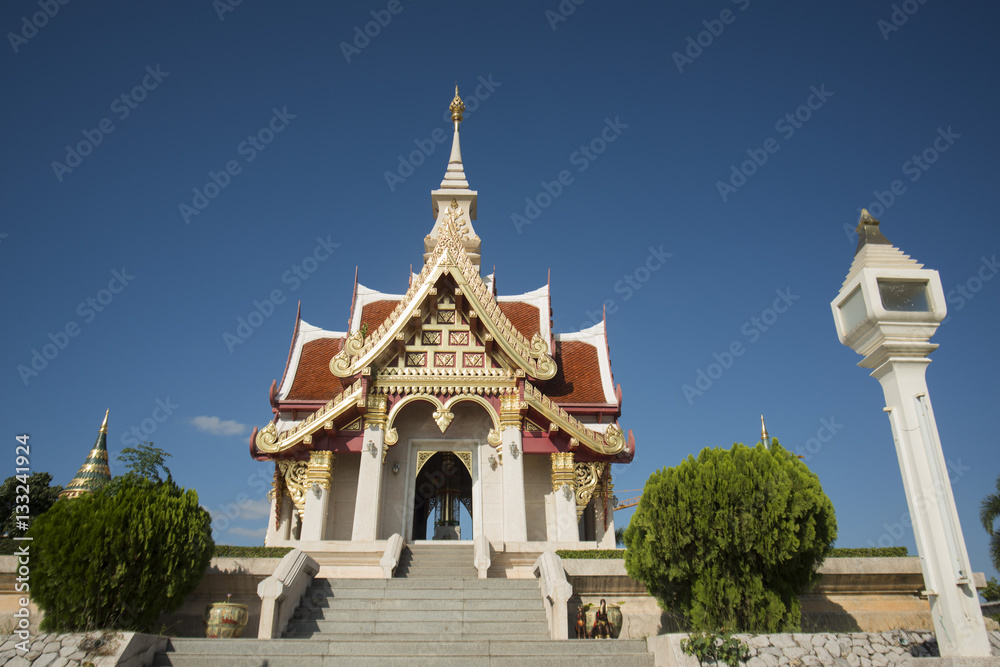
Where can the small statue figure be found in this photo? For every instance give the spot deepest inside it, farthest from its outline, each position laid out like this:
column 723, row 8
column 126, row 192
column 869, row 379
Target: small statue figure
column 581, row 623
column 602, row 627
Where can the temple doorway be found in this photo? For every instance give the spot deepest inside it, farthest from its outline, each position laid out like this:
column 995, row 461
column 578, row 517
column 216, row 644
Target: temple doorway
column 442, row 501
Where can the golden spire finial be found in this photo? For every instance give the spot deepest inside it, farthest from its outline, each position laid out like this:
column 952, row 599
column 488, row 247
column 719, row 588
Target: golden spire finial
column 763, row 433
column 866, row 219
column 457, row 107
column 104, row 425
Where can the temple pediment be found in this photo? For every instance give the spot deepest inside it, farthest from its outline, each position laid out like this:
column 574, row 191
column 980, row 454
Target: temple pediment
column 448, row 286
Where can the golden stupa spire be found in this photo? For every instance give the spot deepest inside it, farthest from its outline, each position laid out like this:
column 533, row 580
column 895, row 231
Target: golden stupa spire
column 95, row 470
column 457, row 108
column 763, row 433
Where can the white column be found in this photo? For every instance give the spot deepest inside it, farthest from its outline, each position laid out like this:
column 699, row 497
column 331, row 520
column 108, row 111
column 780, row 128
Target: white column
column 564, row 498
column 273, row 534
column 318, row 479
column 605, row 536
column 958, row 620
column 369, row 498
column 515, row 525
column 314, row 523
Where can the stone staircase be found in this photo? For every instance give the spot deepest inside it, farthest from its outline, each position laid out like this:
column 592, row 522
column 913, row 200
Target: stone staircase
column 435, row 612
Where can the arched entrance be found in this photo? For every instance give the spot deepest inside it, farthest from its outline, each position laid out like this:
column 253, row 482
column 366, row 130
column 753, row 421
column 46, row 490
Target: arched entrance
column 442, row 487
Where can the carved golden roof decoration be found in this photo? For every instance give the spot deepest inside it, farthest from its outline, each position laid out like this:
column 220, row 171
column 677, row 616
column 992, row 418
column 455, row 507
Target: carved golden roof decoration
column 270, row 441
column 610, row 442
column 448, row 258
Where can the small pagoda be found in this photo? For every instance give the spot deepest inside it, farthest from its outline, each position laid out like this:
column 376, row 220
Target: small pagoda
column 95, row 471
column 445, row 396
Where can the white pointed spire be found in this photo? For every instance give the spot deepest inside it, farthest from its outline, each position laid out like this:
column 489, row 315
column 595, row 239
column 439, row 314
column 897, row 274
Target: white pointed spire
column 454, row 177
column 455, row 187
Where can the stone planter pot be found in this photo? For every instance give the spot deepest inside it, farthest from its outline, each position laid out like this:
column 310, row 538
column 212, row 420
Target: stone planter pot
column 226, row 620
column 615, row 618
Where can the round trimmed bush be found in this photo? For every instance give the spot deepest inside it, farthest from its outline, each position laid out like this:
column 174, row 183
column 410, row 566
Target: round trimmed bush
column 729, row 540
column 119, row 557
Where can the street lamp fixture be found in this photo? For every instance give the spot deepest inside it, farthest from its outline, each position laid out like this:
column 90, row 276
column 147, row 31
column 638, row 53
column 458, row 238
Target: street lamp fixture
column 887, row 310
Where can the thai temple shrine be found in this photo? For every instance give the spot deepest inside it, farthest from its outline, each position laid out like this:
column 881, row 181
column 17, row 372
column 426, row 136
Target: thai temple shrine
column 446, row 401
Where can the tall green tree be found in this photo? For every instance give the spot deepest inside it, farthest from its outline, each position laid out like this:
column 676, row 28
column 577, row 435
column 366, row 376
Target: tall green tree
column 145, row 461
column 40, row 495
column 118, row 557
column 729, row 540
column 989, row 512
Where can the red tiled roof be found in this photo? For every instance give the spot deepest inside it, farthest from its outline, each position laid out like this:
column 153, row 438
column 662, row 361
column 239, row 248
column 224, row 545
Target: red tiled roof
column 578, row 379
column 524, row 317
column 375, row 313
column 313, row 379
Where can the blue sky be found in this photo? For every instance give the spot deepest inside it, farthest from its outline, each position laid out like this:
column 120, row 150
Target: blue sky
column 832, row 100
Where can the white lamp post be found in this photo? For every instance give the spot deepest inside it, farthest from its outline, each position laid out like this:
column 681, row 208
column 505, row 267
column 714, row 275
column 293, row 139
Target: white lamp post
column 887, row 311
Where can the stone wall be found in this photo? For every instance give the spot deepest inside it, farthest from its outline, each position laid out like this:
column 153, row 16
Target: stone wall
column 901, row 647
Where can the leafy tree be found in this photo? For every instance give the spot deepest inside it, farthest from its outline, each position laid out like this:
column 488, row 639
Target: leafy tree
column 117, row 560
column 145, row 461
column 620, row 536
column 40, row 494
column 989, row 512
column 992, row 591
column 728, row 540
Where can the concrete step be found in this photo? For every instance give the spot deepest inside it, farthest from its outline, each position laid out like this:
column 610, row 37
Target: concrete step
column 282, row 652
column 457, row 582
column 429, row 615
column 487, row 628
column 489, row 604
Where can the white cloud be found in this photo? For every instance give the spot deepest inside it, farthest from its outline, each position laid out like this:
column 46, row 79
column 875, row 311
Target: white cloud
column 217, row 426
column 247, row 532
column 255, row 509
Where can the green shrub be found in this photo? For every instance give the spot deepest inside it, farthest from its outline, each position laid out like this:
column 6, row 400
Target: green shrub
column 118, row 557
column 729, row 539
column 712, row 648
column 228, row 551
column 868, row 552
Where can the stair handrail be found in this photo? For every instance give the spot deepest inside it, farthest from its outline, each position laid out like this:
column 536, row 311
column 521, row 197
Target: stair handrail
column 556, row 592
column 390, row 559
column 281, row 593
column 483, row 555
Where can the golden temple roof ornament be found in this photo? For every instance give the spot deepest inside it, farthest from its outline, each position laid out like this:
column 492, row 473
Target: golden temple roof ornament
column 457, row 108
column 763, row 433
